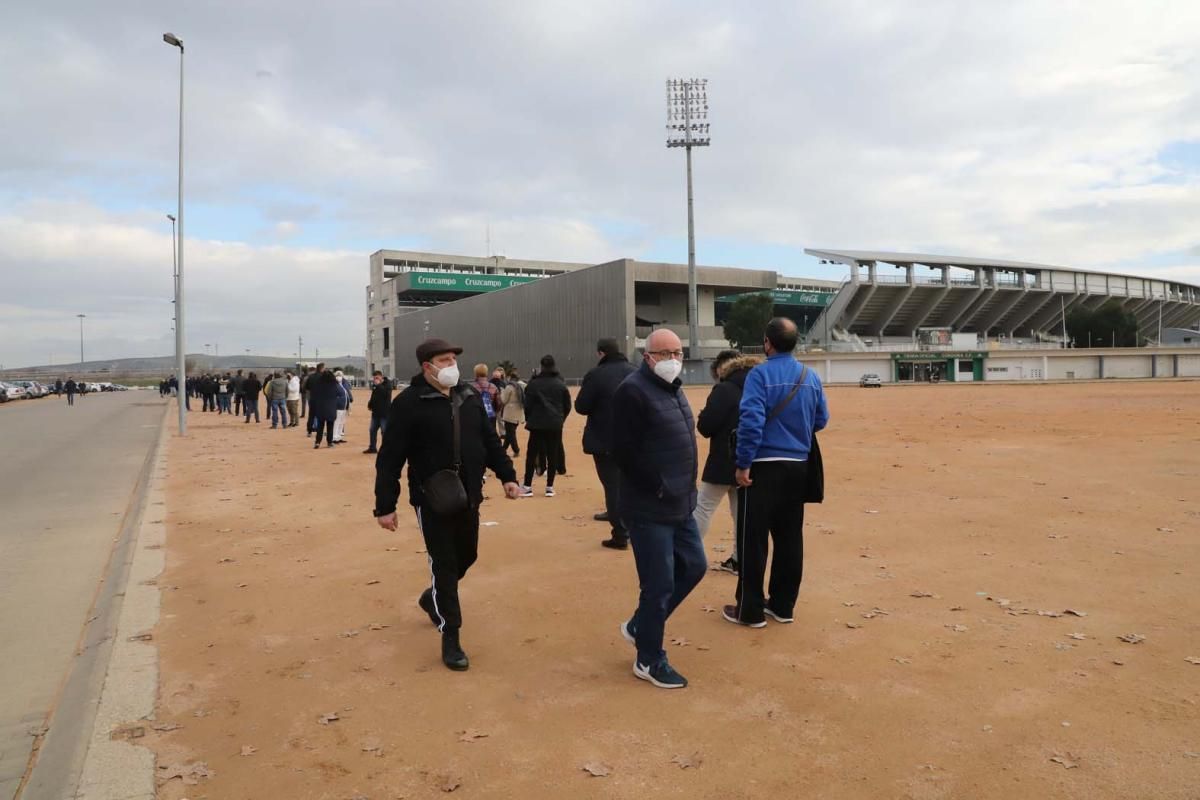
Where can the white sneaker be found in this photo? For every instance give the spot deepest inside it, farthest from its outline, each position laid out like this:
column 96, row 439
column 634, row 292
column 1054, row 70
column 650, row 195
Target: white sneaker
column 549, row 491
column 526, row 491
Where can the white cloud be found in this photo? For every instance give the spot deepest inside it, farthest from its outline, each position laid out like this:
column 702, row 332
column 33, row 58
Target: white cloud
column 1027, row 130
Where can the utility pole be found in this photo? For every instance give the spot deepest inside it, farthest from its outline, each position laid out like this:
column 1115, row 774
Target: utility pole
column 180, row 344
column 687, row 103
column 299, row 348
column 81, row 317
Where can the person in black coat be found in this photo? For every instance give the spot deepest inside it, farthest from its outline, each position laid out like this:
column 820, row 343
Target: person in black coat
column 378, row 405
column 250, row 389
column 547, row 406
column 595, row 402
column 718, row 422
column 323, row 396
column 420, row 432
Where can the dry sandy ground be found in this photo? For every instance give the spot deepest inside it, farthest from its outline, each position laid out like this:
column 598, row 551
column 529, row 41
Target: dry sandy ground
column 933, row 655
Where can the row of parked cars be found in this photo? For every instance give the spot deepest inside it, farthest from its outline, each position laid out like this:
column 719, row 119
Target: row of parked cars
column 22, row 390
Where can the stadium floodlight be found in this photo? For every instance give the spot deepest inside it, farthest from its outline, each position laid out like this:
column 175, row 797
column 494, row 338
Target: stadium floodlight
column 687, row 127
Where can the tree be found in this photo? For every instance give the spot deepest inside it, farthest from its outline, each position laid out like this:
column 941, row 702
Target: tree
column 748, row 318
column 1102, row 327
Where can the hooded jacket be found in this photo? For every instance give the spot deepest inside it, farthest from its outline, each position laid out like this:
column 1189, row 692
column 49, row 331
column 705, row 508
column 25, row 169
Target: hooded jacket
column 719, row 418
column 419, row 434
column 654, row 444
column 547, row 402
column 595, row 400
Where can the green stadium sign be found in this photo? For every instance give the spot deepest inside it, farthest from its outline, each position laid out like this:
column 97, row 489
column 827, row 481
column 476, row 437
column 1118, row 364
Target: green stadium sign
column 936, row 356
column 460, row 282
column 787, row 298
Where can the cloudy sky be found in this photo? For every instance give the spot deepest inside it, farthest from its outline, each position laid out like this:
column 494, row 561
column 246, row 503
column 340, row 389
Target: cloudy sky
column 317, row 133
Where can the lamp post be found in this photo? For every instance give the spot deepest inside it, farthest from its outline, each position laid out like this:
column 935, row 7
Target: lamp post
column 81, row 318
column 180, row 360
column 687, row 104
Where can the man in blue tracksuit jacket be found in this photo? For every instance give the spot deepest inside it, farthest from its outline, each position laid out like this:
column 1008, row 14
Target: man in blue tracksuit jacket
column 772, row 468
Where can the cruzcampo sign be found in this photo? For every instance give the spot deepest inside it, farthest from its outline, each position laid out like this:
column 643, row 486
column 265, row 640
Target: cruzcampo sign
column 460, row 282
column 787, row 298
column 926, row 356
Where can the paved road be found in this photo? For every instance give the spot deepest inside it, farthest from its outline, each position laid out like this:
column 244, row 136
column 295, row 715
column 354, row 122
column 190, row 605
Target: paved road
column 66, row 479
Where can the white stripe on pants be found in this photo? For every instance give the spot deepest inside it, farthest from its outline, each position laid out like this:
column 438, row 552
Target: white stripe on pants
column 708, row 497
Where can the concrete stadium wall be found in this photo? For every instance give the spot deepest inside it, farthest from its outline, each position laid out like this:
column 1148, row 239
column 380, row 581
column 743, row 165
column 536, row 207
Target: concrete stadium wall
column 562, row 315
column 1077, row 367
column 1189, row 366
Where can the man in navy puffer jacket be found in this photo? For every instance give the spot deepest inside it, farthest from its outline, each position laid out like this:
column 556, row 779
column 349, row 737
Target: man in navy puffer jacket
column 653, row 442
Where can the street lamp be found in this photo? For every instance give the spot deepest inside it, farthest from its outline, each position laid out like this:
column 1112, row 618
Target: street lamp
column 180, row 360
column 81, row 317
column 687, row 127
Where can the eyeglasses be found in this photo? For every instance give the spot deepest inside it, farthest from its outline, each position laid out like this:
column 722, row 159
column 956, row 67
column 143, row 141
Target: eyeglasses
column 675, row 354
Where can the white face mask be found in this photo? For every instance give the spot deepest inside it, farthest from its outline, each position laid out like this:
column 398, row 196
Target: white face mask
column 668, row 369
column 448, row 376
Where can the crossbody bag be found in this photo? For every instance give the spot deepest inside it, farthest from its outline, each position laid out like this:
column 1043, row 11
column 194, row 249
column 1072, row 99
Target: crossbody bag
column 814, row 488
column 444, row 491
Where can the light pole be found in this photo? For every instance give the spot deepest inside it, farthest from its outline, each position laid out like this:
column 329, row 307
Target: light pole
column 687, row 105
column 81, row 317
column 180, row 360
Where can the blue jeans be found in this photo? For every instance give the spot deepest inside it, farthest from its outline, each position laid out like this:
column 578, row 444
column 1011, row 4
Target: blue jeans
column 278, row 409
column 250, row 406
column 378, row 424
column 670, row 562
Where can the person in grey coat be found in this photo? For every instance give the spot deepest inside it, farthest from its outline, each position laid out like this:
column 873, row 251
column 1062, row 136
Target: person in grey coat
column 276, row 391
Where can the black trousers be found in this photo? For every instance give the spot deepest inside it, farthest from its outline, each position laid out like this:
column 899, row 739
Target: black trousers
column 323, row 427
column 610, row 478
column 771, row 506
column 510, row 438
column 452, row 545
column 546, row 447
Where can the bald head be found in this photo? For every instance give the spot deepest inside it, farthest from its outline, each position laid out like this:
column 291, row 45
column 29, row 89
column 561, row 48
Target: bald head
column 663, row 339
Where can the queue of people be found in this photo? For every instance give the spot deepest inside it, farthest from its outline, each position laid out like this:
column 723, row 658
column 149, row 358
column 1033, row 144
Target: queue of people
column 762, row 416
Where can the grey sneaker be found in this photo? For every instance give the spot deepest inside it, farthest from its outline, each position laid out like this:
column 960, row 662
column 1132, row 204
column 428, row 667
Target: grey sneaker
column 775, row 616
column 662, row 675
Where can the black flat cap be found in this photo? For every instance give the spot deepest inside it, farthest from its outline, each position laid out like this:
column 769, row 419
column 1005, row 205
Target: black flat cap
column 435, row 347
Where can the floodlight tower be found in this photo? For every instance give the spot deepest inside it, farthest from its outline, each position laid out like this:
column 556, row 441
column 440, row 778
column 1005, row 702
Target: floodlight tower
column 687, row 127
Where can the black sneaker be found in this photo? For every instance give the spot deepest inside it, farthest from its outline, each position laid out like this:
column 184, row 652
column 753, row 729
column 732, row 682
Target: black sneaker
column 601, row 516
column 777, row 616
column 629, row 631
column 452, row 653
column 730, row 614
column 729, row 565
column 616, row 544
column 370, row 450
column 662, row 675
column 425, row 601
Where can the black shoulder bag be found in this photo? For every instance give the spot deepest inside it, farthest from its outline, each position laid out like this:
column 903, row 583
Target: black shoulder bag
column 444, row 491
column 814, row 488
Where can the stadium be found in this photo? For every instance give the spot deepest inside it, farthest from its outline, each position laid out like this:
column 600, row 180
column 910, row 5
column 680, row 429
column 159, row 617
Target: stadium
column 905, row 317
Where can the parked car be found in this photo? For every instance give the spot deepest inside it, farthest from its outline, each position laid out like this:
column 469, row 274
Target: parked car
column 32, row 388
column 11, row 391
column 870, row 379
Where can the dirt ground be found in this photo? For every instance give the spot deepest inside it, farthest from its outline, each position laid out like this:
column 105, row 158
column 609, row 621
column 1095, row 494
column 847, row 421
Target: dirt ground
column 980, row 552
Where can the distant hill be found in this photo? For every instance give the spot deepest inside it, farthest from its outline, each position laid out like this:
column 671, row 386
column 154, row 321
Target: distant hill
column 166, row 364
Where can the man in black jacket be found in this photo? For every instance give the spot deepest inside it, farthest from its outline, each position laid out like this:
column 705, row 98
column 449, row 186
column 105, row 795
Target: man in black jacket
column 547, row 406
column 718, row 422
column 655, row 447
column 306, row 388
column 378, row 405
column 595, row 402
column 420, row 433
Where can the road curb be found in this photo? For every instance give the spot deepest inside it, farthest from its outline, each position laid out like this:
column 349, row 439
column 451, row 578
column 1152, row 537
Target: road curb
column 99, row 760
